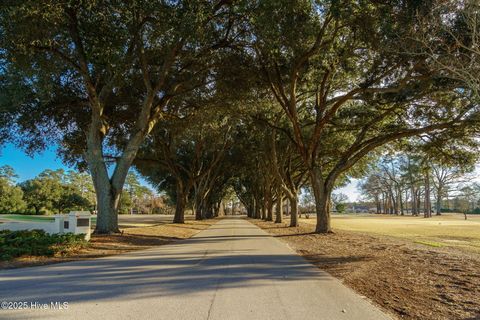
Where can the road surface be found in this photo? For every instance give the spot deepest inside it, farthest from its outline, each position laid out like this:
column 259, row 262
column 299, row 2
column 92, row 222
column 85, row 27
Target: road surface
column 233, row 270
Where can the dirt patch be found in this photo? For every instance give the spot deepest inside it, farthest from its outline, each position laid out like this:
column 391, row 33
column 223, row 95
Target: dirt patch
column 131, row 239
column 411, row 281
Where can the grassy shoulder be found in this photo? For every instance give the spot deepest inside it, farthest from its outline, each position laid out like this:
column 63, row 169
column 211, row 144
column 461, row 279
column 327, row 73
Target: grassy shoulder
column 413, row 281
column 31, row 218
column 132, row 238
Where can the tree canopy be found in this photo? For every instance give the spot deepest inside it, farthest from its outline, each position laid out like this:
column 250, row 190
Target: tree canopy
column 261, row 97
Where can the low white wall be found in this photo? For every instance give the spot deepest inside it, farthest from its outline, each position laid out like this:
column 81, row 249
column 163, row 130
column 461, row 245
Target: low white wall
column 74, row 218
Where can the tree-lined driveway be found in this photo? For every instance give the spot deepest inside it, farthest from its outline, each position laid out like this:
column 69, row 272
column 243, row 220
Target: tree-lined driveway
column 233, row 270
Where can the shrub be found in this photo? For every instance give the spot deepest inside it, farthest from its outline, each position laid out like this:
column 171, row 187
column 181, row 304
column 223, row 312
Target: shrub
column 476, row 211
column 37, row 243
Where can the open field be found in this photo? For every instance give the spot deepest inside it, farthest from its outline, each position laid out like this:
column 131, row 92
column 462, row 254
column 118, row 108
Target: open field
column 412, row 280
column 447, row 230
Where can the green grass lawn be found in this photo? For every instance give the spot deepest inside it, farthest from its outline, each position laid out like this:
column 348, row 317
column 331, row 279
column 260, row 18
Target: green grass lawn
column 447, row 230
column 29, row 218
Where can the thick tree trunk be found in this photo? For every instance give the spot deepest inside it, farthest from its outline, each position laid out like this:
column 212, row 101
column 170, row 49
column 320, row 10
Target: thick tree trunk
column 198, row 213
column 264, row 210
column 269, row 208
column 198, row 208
column 414, row 206
column 108, row 197
column 221, row 209
column 268, row 202
column 400, row 201
column 395, row 203
column 257, row 213
column 427, row 203
column 323, row 219
column 201, row 205
column 108, row 190
column 209, row 211
column 293, row 211
column 180, row 205
column 279, row 209
column 385, row 203
column 108, row 200
column 438, row 205
column 250, row 209
column 417, row 202
column 321, row 192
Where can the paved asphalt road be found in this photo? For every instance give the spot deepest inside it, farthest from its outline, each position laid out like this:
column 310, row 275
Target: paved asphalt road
column 233, row 270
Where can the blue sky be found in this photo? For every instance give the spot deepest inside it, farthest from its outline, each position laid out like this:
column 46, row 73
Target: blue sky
column 27, row 167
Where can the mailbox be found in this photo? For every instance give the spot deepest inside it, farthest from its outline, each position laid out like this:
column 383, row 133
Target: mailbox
column 79, row 222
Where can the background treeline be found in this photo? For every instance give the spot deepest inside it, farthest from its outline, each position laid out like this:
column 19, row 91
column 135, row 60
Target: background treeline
column 57, row 191
column 421, row 185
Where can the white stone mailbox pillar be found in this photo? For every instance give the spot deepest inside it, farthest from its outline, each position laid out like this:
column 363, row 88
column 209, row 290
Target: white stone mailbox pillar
column 60, row 224
column 79, row 222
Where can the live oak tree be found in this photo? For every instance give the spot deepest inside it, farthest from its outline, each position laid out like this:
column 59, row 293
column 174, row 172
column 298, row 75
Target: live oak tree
column 335, row 69
column 92, row 71
column 450, row 36
column 288, row 171
column 191, row 155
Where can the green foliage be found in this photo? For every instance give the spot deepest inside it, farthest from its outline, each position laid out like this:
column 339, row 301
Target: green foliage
column 192, row 154
column 82, row 185
column 11, row 196
column 126, row 203
column 37, row 243
column 54, row 50
column 56, row 191
column 475, row 211
column 341, row 207
column 339, row 201
column 70, row 200
column 135, row 197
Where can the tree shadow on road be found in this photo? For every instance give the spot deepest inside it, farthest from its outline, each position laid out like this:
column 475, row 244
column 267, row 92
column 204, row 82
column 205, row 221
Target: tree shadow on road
column 153, row 273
